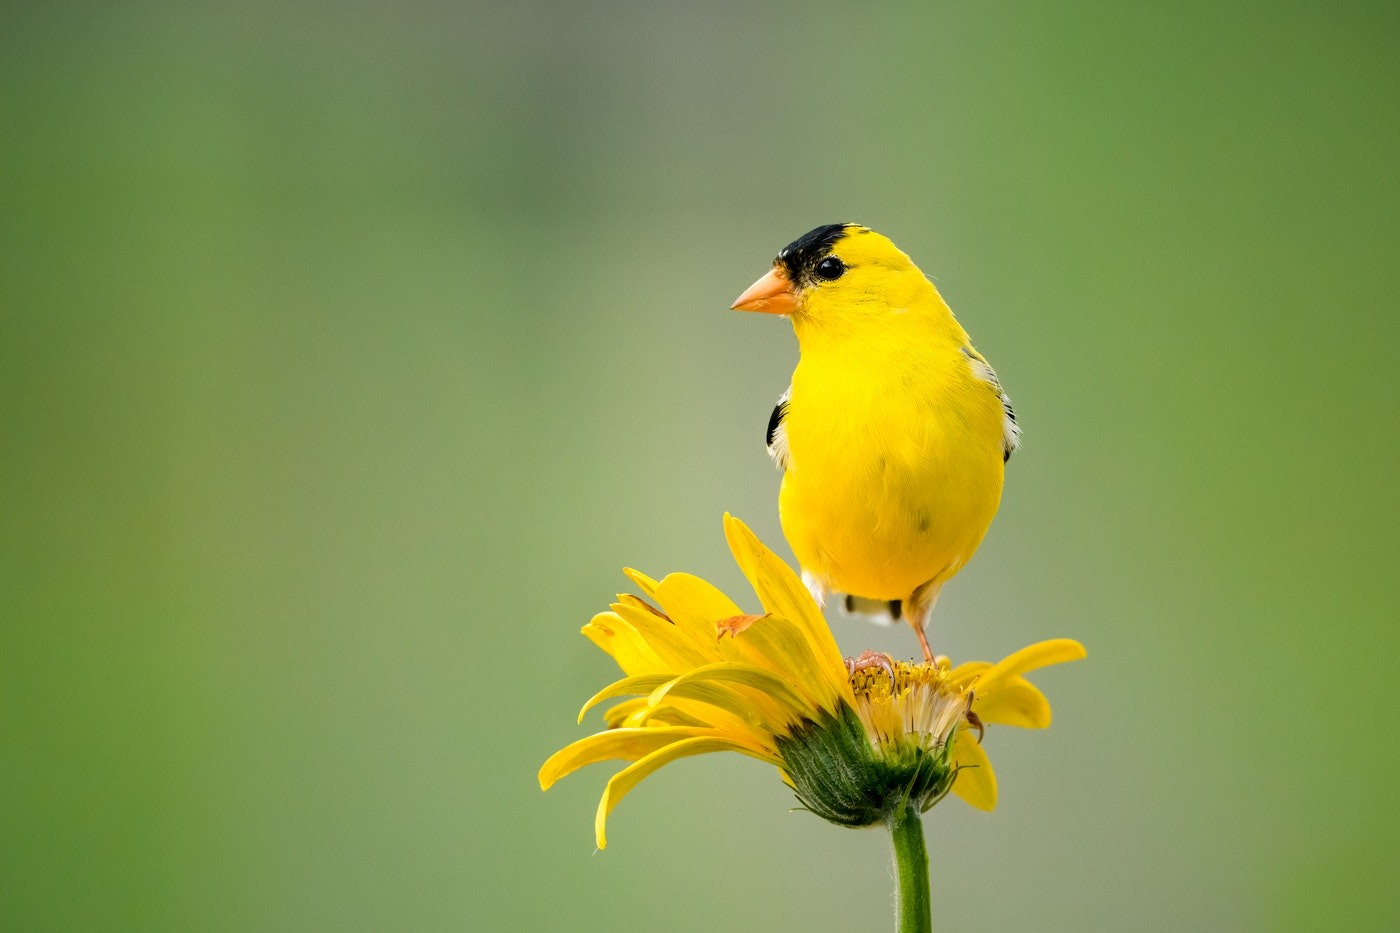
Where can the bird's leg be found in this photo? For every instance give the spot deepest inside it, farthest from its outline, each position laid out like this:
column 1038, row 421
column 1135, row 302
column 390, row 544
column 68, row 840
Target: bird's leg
column 917, row 609
column 923, row 640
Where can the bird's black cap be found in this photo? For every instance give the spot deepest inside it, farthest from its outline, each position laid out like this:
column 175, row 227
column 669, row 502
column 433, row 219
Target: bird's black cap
column 800, row 257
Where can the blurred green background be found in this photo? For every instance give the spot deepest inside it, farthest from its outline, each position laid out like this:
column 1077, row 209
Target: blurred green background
column 348, row 350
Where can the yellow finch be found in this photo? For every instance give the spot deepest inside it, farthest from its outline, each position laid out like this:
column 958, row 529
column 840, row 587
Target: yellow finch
column 894, row 433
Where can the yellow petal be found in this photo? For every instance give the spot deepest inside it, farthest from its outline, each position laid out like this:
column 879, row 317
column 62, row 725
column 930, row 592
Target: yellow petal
column 627, row 744
column 768, row 685
column 744, row 713
column 967, row 671
column 638, row 712
column 693, row 602
column 783, row 594
column 619, row 638
column 1016, row 703
column 632, row 775
column 678, row 648
column 625, row 714
column 775, row 643
column 694, row 606
column 644, row 582
column 1040, row 654
column 976, row 782
column 627, row 686
column 719, row 709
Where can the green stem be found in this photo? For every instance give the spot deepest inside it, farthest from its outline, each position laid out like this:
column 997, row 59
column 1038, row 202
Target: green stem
column 912, row 910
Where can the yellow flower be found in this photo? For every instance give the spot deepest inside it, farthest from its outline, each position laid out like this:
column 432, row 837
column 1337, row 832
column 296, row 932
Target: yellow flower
column 703, row 676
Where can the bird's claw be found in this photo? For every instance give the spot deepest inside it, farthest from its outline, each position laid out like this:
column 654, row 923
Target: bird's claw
column 869, row 659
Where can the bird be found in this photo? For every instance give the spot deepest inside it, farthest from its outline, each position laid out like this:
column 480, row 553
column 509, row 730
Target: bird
column 894, row 434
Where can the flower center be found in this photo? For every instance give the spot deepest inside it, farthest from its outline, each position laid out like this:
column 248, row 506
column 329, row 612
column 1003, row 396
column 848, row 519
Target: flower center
column 917, row 707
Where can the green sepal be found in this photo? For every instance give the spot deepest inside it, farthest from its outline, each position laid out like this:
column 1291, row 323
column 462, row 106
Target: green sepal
column 840, row 776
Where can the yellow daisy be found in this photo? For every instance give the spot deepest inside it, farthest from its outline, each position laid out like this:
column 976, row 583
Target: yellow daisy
column 858, row 749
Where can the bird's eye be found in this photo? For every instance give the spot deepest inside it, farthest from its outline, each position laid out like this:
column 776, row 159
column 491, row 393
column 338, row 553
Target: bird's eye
column 830, row 269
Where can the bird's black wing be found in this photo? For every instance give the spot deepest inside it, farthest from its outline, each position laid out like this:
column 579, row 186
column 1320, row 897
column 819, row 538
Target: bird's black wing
column 776, row 437
column 1010, row 430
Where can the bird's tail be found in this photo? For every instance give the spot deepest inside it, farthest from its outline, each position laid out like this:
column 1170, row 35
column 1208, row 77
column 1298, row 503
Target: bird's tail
column 879, row 611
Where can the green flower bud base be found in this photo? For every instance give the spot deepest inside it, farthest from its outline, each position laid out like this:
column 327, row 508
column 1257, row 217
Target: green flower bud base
column 842, row 777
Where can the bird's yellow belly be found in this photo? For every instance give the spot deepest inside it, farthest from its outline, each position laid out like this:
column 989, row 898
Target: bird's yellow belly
column 880, row 505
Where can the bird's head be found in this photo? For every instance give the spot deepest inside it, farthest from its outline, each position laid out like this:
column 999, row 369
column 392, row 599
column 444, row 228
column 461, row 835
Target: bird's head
column 837, row 274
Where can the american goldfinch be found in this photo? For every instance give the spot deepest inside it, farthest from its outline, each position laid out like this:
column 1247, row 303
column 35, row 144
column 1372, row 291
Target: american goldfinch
column 894, row 434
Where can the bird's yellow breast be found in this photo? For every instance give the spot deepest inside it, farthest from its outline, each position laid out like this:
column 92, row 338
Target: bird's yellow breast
column 895, row 461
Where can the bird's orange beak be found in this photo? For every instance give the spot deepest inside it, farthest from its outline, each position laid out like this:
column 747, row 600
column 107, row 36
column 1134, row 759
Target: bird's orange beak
column 771, row 294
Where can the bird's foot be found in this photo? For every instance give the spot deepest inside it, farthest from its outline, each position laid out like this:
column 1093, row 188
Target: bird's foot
column 869, row 659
